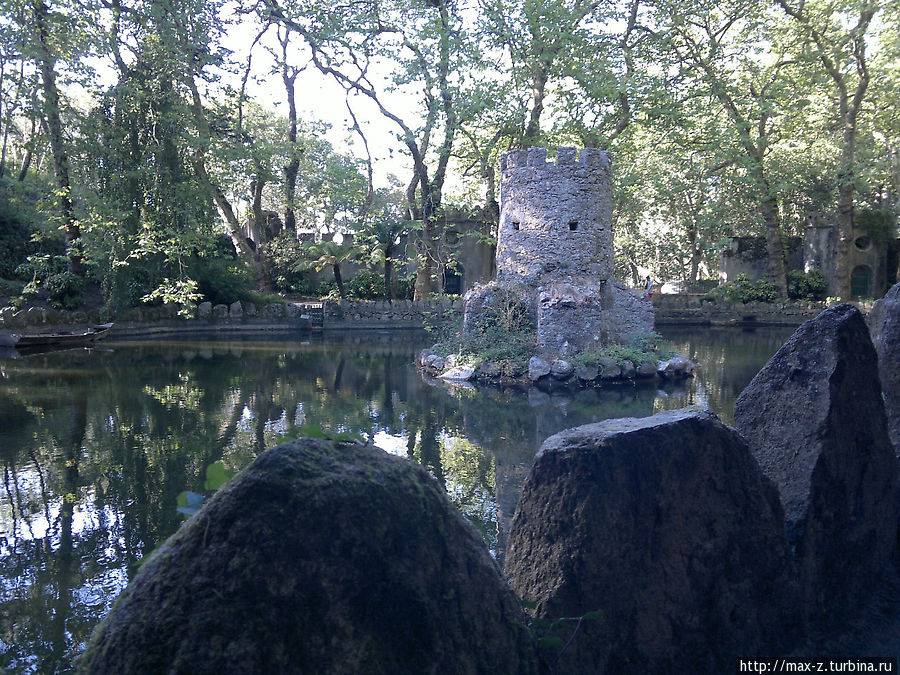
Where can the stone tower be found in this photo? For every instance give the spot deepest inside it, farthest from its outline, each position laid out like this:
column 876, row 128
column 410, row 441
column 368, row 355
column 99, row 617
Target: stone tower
column 555, row 252
column 555, row 219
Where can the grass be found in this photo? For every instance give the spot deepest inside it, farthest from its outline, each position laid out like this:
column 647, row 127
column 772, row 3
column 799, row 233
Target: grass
column 639, row 348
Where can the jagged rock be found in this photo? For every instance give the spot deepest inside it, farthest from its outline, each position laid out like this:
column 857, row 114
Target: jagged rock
column 561, row 369
column 435, row 362
column 220, row 311
column 537, row 368
column 489, row 369
column 586, row 373
column 628, row 370
column 423, row 356
column 664, row 534
column 609, row 368
column 450, row 361
column 458, row 373
column 250, row 309
column 814, row 419
column 884, row 326
column 676, row 368
column 236, row 310
column 318, row 558
column 646, row 369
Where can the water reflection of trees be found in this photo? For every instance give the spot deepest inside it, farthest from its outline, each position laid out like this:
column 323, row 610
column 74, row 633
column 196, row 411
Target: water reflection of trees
column 97, row 446
column 727, row 359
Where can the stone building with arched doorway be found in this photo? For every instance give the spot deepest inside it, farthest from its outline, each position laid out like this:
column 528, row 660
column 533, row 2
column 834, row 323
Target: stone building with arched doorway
column 873, row 264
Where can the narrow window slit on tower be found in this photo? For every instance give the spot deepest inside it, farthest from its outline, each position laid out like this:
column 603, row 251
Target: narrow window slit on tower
column 515, row 224
column 573, row 225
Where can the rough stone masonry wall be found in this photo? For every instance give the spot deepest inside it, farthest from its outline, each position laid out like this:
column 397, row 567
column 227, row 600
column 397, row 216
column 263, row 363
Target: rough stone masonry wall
column 555, row 250
column 397, row 314
column 683, row 310
column 555, row 219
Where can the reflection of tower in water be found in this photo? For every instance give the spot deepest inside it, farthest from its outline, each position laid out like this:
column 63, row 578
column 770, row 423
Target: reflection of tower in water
column 513, row 430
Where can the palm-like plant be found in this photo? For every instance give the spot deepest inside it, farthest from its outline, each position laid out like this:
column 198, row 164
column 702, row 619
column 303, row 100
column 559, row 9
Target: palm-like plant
column 383, row 236
column 329, row 254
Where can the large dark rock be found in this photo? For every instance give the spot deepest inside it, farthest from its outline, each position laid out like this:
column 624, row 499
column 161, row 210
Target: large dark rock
column 318, row 558
column 663, row 534
column 884, row 326
column 814, row 419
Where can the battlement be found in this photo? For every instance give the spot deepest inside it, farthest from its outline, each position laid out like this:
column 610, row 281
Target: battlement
column 537, row 158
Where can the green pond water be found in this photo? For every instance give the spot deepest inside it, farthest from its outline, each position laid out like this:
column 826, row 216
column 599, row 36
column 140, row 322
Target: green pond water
column 97, row 445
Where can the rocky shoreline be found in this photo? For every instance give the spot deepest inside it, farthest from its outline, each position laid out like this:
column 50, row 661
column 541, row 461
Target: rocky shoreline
column 554, row 372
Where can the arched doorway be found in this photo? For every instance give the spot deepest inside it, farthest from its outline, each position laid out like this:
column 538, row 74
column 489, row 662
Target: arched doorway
column 860, row 282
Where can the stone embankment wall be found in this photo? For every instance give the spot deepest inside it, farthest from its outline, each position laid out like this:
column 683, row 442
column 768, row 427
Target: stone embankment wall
column 366, row 315
column 245, row 317
column 686, row 309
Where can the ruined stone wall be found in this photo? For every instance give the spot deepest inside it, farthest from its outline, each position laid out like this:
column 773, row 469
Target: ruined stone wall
column 555, row 218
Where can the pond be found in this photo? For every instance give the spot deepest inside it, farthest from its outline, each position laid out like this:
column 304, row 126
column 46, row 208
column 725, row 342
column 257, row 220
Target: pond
column 97, row 445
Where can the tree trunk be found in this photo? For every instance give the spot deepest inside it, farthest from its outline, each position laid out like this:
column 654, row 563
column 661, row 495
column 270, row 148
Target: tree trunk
column 233, row 226
column 339, row 280
column 259, row 230
column 293, row 167
column 388, row 272
column 538, row 91
column 47, row 65
column 845, row 208
column 768, row 208
column 426, row 274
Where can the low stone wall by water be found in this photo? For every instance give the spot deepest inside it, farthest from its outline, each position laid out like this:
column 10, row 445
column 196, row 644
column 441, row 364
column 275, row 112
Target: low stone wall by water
column 686, row 309
column 240, row 317
column 367, row 315
column 236, row 317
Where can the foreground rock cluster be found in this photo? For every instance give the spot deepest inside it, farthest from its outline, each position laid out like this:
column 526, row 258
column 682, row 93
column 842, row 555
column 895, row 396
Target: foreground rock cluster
column 664, row 544
column 689, row 544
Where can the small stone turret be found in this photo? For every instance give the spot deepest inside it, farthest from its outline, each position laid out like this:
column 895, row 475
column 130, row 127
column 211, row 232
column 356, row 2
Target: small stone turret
column 555, row 252
column 555, row 219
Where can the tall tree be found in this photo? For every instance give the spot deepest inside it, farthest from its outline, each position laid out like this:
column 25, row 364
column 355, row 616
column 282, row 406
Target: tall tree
column 45, row 53
column 835, row 33
column 718, row 49
column 426, row 45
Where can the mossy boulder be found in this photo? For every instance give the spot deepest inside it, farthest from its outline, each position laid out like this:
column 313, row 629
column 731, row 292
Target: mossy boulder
column 659, row 539
column 318, row 558
column 814, row 419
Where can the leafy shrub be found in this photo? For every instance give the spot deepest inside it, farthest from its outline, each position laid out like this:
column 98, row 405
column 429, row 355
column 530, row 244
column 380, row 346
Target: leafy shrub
column 221, row 280
column 65, row 290
column 638, row 348
column 806, row 285
column 743, row 290
column 406, row 287
column 327, row 290
column 365, row 285
column 18, row 222
column 14, row 246
column 40, row 267
column 282, row 255
column 505, row 334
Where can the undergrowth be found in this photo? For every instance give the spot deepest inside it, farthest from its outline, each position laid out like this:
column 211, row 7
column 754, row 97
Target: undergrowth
column 639, row 348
